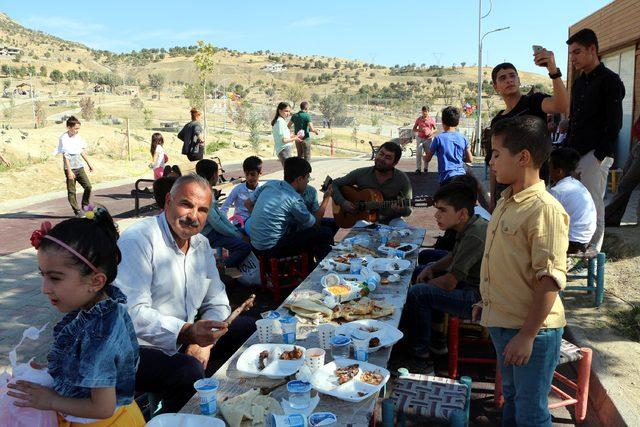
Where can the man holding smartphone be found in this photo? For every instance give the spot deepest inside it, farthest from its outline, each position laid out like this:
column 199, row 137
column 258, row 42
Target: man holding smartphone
column 507, row 84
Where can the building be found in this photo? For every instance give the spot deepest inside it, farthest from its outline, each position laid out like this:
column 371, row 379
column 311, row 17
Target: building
column 617, row 26
column 274, row 68
column 9, row 51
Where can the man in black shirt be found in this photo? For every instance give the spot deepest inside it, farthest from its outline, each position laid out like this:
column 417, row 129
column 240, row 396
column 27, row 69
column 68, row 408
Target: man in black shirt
column 595, row 119
column 507, row 84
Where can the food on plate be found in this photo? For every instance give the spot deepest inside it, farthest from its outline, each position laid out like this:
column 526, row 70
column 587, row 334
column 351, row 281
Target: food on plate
column 395, row 266
column 347, row 373
column 404, row 248
column 364, row 308
column 264, row 355
column 338, row 290
column 294, row 354
column 251, row 406
column 364, row 250
column 344, row 259
column 369, row 329
column 309, row 305
column 371, row 377
column 374, row 342
column 361, row 394
column 384, row 281
column 393, row 244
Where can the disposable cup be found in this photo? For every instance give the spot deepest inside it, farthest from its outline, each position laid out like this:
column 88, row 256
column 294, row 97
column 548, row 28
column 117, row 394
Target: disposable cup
column 265, row 329
column 360, row 347
column 288, row 325
column 314, row 358
column 206, row 389
column 326, row 331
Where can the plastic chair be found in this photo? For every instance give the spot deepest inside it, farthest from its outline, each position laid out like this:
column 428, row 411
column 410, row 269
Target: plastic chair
column 283, row 273
column 595, row 274
column 422, row 398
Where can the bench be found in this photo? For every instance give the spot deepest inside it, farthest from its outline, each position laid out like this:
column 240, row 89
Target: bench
column 141, row 193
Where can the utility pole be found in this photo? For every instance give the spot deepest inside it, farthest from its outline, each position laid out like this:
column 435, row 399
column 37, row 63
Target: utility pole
column 128, row 141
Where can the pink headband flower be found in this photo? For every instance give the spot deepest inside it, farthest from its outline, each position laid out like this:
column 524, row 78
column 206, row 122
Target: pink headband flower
column 38, row 235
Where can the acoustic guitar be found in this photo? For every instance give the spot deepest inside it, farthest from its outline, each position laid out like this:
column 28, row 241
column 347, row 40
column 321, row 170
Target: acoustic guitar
column 369, row 202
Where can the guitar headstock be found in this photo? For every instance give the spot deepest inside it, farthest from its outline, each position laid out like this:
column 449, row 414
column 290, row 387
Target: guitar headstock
column 422, row 201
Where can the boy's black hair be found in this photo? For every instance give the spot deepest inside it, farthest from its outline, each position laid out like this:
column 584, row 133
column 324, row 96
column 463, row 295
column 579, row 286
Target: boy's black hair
column 206, row 168
column 425, row 108
column 95, row 239
column 161, row 188
column 565, row 158
column 525, row 133
column 252, row 164
column 457, row 194
column 450, row 116
column 469, row 180
column 395, row 148
column 502, row 66
column 295, row 167
column 304, row 105
column 585, row 37
column 72, row 121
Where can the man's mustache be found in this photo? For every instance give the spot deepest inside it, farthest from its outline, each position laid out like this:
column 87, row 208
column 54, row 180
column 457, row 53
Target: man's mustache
column 188, row 222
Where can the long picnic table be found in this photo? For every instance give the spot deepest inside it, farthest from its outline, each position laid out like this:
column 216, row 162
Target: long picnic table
column 234, row 383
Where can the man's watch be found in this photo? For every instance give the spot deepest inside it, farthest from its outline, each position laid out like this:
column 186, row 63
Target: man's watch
column 556, row 75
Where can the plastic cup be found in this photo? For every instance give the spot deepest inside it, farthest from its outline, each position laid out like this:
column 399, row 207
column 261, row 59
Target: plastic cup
column 355, row 265
column 326, row 331
column 265, row 329
column 340, row 347
column 384, row 235
column 314, row 358
column 360, row 347
column 206, row 389
column 288, row 325
column 299, row 394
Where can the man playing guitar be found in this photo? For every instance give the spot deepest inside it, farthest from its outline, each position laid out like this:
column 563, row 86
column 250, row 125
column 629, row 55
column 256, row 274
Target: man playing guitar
column 384, row 177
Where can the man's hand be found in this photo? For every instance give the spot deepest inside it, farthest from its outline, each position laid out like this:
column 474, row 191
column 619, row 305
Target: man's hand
column 202, row 332
column 518, row 350
column 70, row 174
column 545, row 58
column 32, row 395
column 348, row 207
column 202, row 354
column 425, row 275
column 476, row 311
column 328, row 192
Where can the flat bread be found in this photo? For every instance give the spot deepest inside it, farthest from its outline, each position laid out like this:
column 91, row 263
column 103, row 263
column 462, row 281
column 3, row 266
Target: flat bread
column 309, row 306
column 369, row 309
column 248, row 407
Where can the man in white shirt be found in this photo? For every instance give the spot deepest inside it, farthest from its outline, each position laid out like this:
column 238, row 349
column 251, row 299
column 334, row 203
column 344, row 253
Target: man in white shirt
column 574, row 197
column 175, row 297
column 71, row 146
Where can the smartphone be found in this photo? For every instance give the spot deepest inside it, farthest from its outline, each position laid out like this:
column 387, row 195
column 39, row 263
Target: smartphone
column 537, row 48
column 325, row 185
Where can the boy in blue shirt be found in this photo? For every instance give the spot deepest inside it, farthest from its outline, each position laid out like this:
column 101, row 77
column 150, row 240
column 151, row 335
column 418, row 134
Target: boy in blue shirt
column 451, row 147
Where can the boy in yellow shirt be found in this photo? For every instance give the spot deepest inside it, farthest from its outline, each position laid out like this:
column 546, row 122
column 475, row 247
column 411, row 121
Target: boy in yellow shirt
column 523, row 269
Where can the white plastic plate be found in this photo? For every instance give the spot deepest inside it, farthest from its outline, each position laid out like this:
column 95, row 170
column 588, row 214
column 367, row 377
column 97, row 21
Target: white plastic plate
column 275, row 367
column 325, row 381
column 185, row 420
column 386, row 249
column 390, row 265
column 387, row 334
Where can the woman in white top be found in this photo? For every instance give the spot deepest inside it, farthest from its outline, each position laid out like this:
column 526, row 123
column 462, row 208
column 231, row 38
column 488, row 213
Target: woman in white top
column 282, row 137
column 158, row 155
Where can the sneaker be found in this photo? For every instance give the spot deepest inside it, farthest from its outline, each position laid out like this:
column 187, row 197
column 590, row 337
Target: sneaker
column 80, row 215
column 422, row 365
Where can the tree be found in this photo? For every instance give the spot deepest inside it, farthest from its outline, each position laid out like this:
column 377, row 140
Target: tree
column 87, row 108
column 100, row 114
column 462, row 64
column 147, row 116
column 193, row 93
column 56, row 76
column 40, row 114
column 205, row 63
column 331, row 107
column 239, row 114
column 43, row 71
column 156, row 82
column 295, row 93
column 136, row 103
column 254, row 120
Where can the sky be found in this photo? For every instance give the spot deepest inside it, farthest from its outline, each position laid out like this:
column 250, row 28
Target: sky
column 384, row 32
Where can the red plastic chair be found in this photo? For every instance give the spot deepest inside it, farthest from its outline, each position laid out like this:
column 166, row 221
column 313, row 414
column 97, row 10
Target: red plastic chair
column 283, row 273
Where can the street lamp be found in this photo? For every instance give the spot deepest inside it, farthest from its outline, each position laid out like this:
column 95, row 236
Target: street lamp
column 479, row 101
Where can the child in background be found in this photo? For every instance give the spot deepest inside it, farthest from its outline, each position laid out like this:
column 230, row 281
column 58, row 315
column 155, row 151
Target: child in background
column 252, row 167
column 523, row 269
column 94, row 356
column 574, row 198
column 158, row 155
column 450, row 146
